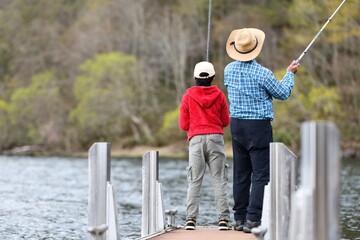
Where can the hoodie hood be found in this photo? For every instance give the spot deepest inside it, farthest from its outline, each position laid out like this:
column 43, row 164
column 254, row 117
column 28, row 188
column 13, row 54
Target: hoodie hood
column 205, row 96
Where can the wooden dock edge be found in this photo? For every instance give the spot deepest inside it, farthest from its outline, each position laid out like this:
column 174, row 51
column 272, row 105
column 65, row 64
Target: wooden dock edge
column 201, row 232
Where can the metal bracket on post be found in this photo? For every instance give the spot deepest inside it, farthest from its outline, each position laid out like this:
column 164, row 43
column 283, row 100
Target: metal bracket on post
column 259, row 233
column 97, row 231
column 170, row 214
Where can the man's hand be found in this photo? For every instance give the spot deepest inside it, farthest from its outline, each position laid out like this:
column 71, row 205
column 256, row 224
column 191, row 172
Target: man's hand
column 293, row 67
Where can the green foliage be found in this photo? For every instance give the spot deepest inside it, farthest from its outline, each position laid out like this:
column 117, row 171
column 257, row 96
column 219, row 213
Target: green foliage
column 4, row 124
column 310, row 100
column 104, row 94
column 170, row 128
column 170, row 120
column 323, row 102
column 35, row 109
column 60, row 10
column 75, row 72
column 3, row 105
column 106, row 72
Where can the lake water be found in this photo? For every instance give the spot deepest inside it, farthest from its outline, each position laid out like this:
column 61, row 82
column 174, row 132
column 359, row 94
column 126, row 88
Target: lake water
column 46, row 198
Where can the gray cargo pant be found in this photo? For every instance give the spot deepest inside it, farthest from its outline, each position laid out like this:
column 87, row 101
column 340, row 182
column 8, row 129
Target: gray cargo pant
column 207, row 150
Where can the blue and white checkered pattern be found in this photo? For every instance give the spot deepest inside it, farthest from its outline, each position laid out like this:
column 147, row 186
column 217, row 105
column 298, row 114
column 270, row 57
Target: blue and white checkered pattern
column 251, row 88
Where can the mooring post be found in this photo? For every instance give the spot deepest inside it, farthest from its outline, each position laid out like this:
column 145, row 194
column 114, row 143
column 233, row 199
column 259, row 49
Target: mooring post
column 278, row 194
column 152, row 200
column 102, row 220
column 315, row 207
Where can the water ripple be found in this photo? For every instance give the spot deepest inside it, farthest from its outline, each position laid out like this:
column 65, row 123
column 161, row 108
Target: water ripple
column 46, row 198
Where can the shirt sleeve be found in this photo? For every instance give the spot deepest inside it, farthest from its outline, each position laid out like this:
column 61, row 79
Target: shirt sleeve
column 279, row 89
column 225, row 116
column 184, row 120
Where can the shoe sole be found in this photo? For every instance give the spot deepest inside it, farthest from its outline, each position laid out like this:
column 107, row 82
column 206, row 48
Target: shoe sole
column 190, row 224
column 246, row 230
column 223, row 228
column 238, row 228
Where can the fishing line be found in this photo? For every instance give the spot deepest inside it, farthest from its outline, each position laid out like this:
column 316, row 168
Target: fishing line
column 208, row 32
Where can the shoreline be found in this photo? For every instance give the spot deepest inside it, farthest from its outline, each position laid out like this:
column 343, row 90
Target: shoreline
column 173, row 151
column 178, row 150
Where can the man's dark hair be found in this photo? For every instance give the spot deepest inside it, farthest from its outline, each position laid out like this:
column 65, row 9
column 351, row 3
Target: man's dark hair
column 205, row 82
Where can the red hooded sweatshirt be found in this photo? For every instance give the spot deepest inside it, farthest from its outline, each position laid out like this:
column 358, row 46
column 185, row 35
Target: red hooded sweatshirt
column 203, row 110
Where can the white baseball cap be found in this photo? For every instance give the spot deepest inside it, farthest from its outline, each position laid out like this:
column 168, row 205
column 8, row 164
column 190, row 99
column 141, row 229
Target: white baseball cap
column 204, row 70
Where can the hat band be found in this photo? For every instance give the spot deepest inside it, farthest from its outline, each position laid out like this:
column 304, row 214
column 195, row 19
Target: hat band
column 233, row 43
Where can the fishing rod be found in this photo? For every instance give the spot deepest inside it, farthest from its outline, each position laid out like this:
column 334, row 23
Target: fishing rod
column 208, row 33
column 307, row 48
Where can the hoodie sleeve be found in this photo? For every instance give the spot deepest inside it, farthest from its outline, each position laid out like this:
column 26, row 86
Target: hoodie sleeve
column 184, row 120
column 225, row 116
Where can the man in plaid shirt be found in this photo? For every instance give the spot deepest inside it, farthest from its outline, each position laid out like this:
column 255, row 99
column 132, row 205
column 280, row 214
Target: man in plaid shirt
column 251, row 88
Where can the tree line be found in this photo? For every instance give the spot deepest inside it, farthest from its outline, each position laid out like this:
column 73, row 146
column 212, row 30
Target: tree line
column 77, row 72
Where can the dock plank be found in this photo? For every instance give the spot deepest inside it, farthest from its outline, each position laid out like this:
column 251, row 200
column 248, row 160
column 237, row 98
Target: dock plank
column 208, row 233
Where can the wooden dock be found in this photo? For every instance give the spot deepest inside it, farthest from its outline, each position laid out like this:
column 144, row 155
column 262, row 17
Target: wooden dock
column 200, row 233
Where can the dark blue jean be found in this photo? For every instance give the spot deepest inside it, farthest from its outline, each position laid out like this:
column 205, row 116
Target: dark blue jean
column 251, row 149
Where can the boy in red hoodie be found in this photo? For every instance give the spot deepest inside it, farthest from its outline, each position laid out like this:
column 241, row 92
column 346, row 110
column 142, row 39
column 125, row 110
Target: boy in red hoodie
column 203, row 114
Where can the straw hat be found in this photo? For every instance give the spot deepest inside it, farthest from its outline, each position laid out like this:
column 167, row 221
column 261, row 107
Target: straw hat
column 245, row 44
column 204, row 70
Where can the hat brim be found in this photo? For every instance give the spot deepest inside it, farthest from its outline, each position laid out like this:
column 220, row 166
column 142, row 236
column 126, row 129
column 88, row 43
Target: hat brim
column 231, row 51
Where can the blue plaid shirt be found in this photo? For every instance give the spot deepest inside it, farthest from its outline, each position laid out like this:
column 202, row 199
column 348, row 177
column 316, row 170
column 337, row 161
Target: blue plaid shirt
column 251, row 88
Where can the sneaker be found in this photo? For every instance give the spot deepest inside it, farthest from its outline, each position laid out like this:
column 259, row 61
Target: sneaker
column 224, row 225
column 239, row 225
column 190, row 224
column 250, row 225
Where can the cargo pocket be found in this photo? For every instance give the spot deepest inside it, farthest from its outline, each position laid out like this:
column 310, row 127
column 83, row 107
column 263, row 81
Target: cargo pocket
column 189, row 174
column 226, row 172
